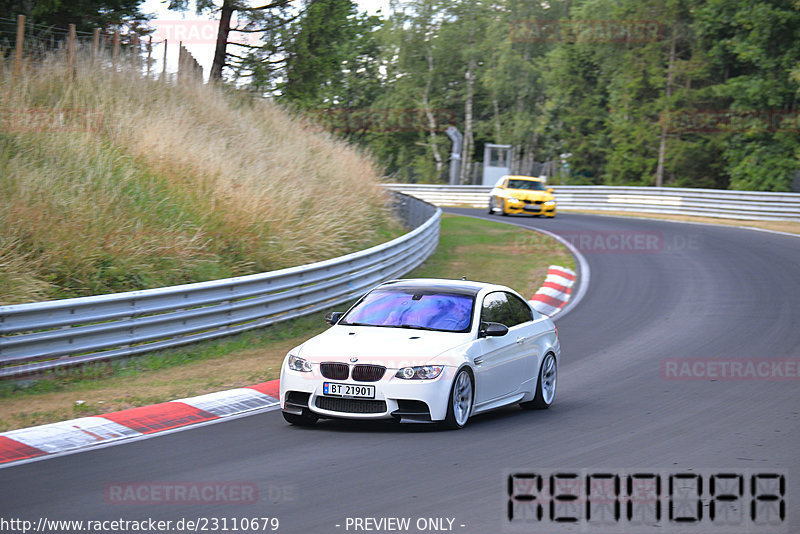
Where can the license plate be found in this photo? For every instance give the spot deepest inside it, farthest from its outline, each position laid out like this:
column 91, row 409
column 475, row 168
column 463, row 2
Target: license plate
column 348, row 390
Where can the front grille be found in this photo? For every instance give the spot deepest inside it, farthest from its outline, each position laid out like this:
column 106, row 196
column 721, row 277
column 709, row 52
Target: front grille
column 336, row 404
column 334, row 371
column 368, row 373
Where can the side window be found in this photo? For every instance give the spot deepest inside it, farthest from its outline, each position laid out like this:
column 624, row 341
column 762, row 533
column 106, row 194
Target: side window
column 522, row 312
column 497, row 310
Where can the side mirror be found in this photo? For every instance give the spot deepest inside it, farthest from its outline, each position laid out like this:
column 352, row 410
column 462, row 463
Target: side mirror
column 492, row 330
column 550, row 190
column 333, row 317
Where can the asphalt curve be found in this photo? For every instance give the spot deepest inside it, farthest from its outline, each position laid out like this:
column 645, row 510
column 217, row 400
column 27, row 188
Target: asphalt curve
column 701, row 292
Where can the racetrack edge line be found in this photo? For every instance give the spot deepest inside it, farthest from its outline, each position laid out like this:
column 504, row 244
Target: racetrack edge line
column 127, row 439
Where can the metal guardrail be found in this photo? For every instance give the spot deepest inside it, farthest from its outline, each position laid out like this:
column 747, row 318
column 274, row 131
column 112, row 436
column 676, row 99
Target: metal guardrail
column 46, row 335
column 745, row 205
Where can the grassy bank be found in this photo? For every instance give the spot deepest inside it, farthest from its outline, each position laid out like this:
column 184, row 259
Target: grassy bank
column 110, row 181
column 480, row 250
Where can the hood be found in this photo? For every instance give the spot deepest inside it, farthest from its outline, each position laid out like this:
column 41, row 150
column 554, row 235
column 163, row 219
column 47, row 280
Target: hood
column 391, row 347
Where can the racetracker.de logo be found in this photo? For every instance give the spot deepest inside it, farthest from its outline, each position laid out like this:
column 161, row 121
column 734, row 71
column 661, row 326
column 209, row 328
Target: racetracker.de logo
column 586, row 31
column 191, row 32
column 388, row 120
column 611, row 242
column 49, row 120
column 759, row 369
column 731, row 121
column 213, row 493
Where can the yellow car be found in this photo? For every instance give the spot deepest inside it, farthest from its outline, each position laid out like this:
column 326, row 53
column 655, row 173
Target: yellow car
column 522, row 195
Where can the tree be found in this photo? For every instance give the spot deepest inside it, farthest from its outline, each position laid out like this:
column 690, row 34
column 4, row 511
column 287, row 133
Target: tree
column 322, row 50
column 419, row 69
column 753, row 46
column 251, row 15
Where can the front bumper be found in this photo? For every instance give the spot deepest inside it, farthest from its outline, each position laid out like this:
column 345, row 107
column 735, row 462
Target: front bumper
column 418, row 400
column 530, row 209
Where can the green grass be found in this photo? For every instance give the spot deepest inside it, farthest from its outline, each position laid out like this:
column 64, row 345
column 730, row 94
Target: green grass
column 494, row 252
column 480, row 250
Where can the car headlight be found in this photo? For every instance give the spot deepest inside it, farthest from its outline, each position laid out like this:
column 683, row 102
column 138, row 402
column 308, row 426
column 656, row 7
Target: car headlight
column 550, row 203
column 513, row 200
column 298, row 364
column 421, row 372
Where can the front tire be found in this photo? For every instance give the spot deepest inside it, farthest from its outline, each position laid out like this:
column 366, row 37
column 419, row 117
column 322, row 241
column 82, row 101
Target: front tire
column 545, row 386
column 459, row 407
column 305, row 419
column 491, row 206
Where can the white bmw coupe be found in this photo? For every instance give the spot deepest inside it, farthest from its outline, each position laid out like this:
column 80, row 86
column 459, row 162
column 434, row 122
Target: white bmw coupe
column 424, row 350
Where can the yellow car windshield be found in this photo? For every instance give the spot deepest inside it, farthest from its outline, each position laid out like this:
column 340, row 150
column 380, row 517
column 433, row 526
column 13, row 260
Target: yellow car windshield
column 530, row 185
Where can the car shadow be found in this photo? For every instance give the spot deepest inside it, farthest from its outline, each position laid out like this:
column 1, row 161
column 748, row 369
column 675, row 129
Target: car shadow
column 497, row 417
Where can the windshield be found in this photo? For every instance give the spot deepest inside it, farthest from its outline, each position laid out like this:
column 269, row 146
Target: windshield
column 404, row 308
column 530, row 185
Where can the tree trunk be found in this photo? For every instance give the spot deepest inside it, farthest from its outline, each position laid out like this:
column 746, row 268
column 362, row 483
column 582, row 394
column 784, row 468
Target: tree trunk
column 530, row 155
column 662, row 146
column 222, row 41
column 466, row 153
column 498, row 137
column 520, row 148
column 432, row 125
column 516, row 159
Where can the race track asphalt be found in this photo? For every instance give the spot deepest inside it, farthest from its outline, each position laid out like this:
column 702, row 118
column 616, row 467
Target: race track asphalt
column 698, row 292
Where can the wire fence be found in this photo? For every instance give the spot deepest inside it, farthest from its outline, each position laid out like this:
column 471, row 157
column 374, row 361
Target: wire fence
column 23, row 43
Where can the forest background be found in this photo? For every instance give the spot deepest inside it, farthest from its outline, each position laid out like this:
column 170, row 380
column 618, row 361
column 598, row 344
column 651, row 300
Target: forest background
column 686, row 93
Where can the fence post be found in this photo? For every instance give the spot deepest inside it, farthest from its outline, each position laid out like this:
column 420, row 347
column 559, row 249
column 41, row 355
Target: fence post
column 164, row 63
column 95, row 44
column 71, row 49
column 135, row 53
column 20, row 42
column 115, row 53
column 149, row 54
column 180, row 60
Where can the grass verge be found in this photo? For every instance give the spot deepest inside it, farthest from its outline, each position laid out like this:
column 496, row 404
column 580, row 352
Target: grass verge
column 479, row 250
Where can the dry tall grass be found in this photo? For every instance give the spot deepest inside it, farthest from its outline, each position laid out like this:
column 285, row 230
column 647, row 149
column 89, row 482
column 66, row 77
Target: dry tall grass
column 181, row 183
